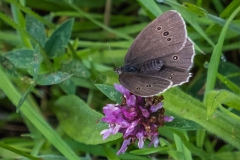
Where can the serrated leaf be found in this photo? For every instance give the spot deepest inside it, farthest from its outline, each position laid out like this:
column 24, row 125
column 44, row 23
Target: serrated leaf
column 68, row 86
column 76, row 68
column 110, row 92
column 8, row 66
column 53, row 78
column 79, row 121
column 183, row 124
column 36, row 29
column 23, row 58
column 57, row 42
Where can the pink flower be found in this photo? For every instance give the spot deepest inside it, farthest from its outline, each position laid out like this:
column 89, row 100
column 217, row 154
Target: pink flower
column 137, row 118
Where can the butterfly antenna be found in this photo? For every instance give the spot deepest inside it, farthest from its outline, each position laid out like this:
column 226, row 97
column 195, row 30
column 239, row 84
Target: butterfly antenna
column 111, row 55
column 105, row 72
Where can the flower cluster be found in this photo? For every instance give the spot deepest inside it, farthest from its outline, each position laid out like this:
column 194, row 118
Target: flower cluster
column 137, row 118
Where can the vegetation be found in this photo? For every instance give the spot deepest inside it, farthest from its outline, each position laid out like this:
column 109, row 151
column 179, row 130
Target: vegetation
column 56, row 75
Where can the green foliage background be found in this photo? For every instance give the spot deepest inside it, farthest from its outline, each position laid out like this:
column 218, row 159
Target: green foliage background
column 56, row 74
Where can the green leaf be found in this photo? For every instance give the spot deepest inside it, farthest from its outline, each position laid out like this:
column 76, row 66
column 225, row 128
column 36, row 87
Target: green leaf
column 216, row 55
column 36, row 29
column 186, row 147
column 183, row 124
column 53, row 78
column 29, row 111
column 176, row 155
column 68, row 86
column 229, row 84
column 230, row 8
column 215, row 99
column 172, row 150
column 164, row 142
column 23, row 58
column 56, row 44
column 195, row 9
column 147, row 151
column 229, row 75
column 76, row 68
column 20, row 21
column 200, row 137
column 231, row 155
column 8, row 66
column 180, row 146
column 110, row 92
column 80, row 122
column 24, row 96
column 98, row 23
column 36, row 62
column 150, row 6
column 185, row 106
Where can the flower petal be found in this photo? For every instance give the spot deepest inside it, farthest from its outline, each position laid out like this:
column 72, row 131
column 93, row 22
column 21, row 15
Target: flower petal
column 168, row 118
column 106, row 133
column 145, row 112
column 125, row 144
column 130, row 99
column 154, row 141
column 121, row 89
column 157, row 107
column 131, row 128
column 140, row 137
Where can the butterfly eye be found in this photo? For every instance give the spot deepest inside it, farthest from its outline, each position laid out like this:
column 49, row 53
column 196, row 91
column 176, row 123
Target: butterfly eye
column 169, row 39
column 166, row 33
column 159, row 28
column 175, row 58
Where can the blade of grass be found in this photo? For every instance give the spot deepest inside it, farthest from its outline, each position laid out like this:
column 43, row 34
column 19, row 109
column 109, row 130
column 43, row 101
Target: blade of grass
column 34, row 117
column 30, row 12
column 187, row 107
column 150, row 6
column 231, row 7
column 88, row 16
column 19, row 19
column 216, row 55
column 190, row 146
column 18, row 151
column 232, row 86
column 181, row 147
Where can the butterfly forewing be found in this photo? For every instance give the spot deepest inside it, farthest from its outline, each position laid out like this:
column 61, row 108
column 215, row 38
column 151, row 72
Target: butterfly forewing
column 164, row 35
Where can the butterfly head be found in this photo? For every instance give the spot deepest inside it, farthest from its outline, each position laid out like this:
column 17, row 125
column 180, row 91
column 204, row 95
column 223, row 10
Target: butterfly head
column 118, row 70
